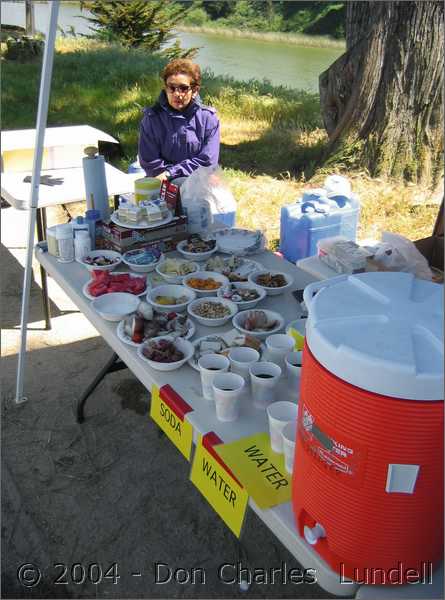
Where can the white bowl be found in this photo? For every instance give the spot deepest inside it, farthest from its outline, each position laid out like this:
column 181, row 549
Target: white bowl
column 140, row 268
column 170, row 278
column 238, row 323
column 182, row 345
column 108, row 254
column 205, row 275
column 246, row 285
column 212, row 322
column 170, row 290
column 195, row 256
column 271, row 291
column 115, row 306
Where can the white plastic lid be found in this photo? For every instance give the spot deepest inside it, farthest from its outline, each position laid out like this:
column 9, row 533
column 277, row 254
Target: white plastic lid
column 381, row 332
column 83, row 233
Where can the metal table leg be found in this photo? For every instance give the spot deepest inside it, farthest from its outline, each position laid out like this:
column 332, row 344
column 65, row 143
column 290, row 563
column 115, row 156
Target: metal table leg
column 41, row 230
column 113, row 364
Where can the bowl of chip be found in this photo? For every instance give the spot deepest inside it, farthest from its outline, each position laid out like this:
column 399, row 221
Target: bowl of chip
column 142, row 260
column 205, row 283
column 170, row 298
column 101, row 260
column 166, row 353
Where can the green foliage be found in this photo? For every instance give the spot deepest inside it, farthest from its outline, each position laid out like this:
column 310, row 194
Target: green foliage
column 279, row 15
column 144, row 24
column 196, row 16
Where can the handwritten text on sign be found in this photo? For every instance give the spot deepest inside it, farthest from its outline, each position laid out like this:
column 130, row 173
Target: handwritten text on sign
column 259, row 469
column 220, row 490
column 168, row 411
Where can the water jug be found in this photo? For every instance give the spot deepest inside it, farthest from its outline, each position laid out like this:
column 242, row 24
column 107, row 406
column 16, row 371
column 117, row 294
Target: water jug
column 306, row 222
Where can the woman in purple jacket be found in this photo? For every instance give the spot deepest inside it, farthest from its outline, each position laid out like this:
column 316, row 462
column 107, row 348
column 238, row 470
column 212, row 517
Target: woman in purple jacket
column 178, row 134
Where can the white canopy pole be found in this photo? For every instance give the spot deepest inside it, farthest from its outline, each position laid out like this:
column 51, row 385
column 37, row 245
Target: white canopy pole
column 42, row 115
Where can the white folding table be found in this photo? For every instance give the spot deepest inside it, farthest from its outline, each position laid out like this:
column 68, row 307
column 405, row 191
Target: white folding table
column 59, row 186
column 185, row 382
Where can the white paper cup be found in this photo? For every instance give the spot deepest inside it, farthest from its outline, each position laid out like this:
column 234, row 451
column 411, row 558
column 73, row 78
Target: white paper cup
column 241, row 359
column 277, row 346
column 227, row 391
column 264, row 378
column 280, row 414
column 293, row 369
column 289, row 435
column 209, row 366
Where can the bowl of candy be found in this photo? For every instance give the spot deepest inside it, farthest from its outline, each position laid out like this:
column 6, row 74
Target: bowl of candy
column 173, row 270
column 166, row 353
column 259, row 323
column 272, row 282
column 212, row 312
column 245, row 295
column 101, row 260
column 197, row 247
column 205, row 283
column 168, row 298
column 142, row 260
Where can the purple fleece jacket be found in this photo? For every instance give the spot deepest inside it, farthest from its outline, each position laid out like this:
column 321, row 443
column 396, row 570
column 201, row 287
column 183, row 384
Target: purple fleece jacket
column 179, row 142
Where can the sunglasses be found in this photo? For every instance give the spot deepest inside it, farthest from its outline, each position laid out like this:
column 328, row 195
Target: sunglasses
column 182, row 89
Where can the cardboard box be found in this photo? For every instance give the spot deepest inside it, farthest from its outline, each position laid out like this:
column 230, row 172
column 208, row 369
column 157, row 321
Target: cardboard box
column 164, row 245
column 123, row 238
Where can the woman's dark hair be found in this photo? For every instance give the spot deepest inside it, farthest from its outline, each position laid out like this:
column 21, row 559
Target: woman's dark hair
column 185, row 67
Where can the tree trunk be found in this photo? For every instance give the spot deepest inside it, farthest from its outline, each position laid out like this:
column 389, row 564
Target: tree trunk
column 382, row 101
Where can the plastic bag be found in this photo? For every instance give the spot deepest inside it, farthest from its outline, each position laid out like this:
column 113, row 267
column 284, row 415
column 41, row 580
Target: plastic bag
column 206, row 185
column 397, row 253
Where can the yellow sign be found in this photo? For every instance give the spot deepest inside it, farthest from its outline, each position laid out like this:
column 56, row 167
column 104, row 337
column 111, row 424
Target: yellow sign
column 172, row 424
column 219, row 488
column 259, row 469
column 299, row 339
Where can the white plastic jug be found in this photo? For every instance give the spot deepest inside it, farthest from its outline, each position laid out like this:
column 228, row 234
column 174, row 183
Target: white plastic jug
column 198, row 214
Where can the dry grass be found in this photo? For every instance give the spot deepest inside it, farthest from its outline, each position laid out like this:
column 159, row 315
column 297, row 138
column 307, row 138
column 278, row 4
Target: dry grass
column 296, row 39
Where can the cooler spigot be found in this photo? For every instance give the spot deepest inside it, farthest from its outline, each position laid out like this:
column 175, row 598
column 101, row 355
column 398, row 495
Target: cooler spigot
column 313, row 534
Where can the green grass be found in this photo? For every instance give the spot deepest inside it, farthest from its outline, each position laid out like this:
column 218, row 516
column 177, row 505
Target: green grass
column 272, row 138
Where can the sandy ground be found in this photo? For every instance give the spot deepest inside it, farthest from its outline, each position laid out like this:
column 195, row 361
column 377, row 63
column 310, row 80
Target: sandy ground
column 113, row 494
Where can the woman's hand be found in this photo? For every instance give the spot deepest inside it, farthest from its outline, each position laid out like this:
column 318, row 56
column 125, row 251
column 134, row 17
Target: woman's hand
column 162, row 176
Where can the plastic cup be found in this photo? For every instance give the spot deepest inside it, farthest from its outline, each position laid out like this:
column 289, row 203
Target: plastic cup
column 227, row 392
column 293, row 369
column 241, row 360
column 289, row 435
column 280, row 414
column 264, row 378
column 209, row 366
column 277, row 346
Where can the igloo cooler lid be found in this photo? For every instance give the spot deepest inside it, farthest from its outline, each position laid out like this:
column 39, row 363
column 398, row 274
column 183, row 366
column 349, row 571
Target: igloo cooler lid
column 381, row 332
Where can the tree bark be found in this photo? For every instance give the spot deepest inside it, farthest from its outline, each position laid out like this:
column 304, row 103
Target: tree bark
column 382, row 101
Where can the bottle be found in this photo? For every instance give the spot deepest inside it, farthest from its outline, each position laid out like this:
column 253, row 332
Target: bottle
column 92, row 217
column 65, row 242
column 82, row 244
column 79, row 224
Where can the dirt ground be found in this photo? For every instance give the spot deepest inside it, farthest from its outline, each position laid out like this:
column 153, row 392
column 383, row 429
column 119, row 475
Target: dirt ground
column 107, row 500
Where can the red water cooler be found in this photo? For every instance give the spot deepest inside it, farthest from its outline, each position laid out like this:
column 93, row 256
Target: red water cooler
column 367, row 488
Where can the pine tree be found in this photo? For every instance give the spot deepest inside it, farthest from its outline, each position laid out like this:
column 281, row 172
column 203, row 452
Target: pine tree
column 144, row 24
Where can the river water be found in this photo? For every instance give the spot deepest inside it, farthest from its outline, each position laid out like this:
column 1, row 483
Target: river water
column 280, row 63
